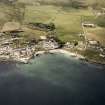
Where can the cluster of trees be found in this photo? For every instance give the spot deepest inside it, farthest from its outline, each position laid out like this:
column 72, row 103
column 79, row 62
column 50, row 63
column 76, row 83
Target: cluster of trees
column 74, row 3
column 7, row 1
column 97, row 4
column 42, row 26
column 79, row 3
column 70, row 3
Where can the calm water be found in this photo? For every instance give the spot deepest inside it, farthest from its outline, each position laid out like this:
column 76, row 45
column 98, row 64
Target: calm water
column 52, row 80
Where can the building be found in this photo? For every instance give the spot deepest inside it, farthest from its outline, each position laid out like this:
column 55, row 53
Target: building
column 43, row 37
column 50, row 45
column 91, row 25
column 69, row 45
column 93, row 42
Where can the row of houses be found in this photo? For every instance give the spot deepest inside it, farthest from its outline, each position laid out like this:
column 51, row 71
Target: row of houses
column 99, row 12
column 48, row 43
column 95, row 45
column 80, row 45
column 19, row 54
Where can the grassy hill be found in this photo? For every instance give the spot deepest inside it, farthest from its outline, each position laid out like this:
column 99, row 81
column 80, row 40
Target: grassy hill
column 67, row 21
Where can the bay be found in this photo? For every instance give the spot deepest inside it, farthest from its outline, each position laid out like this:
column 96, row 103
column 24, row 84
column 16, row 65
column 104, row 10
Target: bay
column 52, row 80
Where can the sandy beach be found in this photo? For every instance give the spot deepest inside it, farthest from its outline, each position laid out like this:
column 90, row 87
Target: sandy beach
column 68, row 53
column 62, row 51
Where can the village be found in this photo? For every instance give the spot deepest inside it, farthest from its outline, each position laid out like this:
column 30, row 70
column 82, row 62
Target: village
column 28, row 30
column 11, row 50
column 14, row 48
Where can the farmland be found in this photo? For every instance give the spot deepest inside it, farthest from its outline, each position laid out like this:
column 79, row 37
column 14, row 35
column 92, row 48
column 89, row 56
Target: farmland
column 66, row 20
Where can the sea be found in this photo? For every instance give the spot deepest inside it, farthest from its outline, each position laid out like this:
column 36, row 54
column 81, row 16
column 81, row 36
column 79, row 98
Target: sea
column 52, row 79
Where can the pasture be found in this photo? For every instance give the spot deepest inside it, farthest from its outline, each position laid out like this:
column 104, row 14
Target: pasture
column 67, row 20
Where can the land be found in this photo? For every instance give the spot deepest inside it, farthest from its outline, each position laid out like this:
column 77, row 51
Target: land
column 48, row 27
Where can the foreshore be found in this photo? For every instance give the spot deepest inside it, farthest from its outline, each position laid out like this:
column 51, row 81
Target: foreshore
column 54, row 51
column 70, row 54
column 61, row 51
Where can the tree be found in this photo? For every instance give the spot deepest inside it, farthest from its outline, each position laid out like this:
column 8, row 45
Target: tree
column 98, row 4
column 78, row 3
column 8, row 1
column 100, row 20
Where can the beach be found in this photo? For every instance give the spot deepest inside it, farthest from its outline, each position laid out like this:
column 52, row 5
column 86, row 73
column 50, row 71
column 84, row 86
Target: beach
column 61, row 51
column 68, row 53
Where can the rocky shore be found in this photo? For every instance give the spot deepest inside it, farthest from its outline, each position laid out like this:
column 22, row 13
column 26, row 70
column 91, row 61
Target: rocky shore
column 16, row 46
column 27, row 59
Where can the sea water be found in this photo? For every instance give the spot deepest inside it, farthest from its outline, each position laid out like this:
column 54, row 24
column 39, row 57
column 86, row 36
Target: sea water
column 52, row 80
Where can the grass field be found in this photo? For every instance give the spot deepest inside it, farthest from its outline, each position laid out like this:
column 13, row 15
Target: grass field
column 67, row 20
column 97, row 34
column 3, row 13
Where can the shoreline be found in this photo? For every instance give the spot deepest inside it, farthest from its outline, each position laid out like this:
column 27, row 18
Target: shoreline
column 54, row 51
column 70, row 54
column 62, row 51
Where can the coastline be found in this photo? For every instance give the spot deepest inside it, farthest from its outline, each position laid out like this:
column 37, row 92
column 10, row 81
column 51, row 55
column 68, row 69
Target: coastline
column 70, row 54
column 53, row 51
column 62, row 51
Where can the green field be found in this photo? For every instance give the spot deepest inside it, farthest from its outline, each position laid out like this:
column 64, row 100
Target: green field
column 97, row 34
column 3, row 13
column 67, row 20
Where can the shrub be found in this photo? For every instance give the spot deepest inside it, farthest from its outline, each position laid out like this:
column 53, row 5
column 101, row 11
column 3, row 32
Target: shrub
column 100, row 21
column 79, row 4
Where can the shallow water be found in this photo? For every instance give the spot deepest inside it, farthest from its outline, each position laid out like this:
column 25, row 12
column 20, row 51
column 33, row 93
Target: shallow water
column 52, row 80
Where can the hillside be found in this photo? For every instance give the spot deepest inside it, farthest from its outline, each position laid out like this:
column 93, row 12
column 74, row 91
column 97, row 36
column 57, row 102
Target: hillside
column 68, row 17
